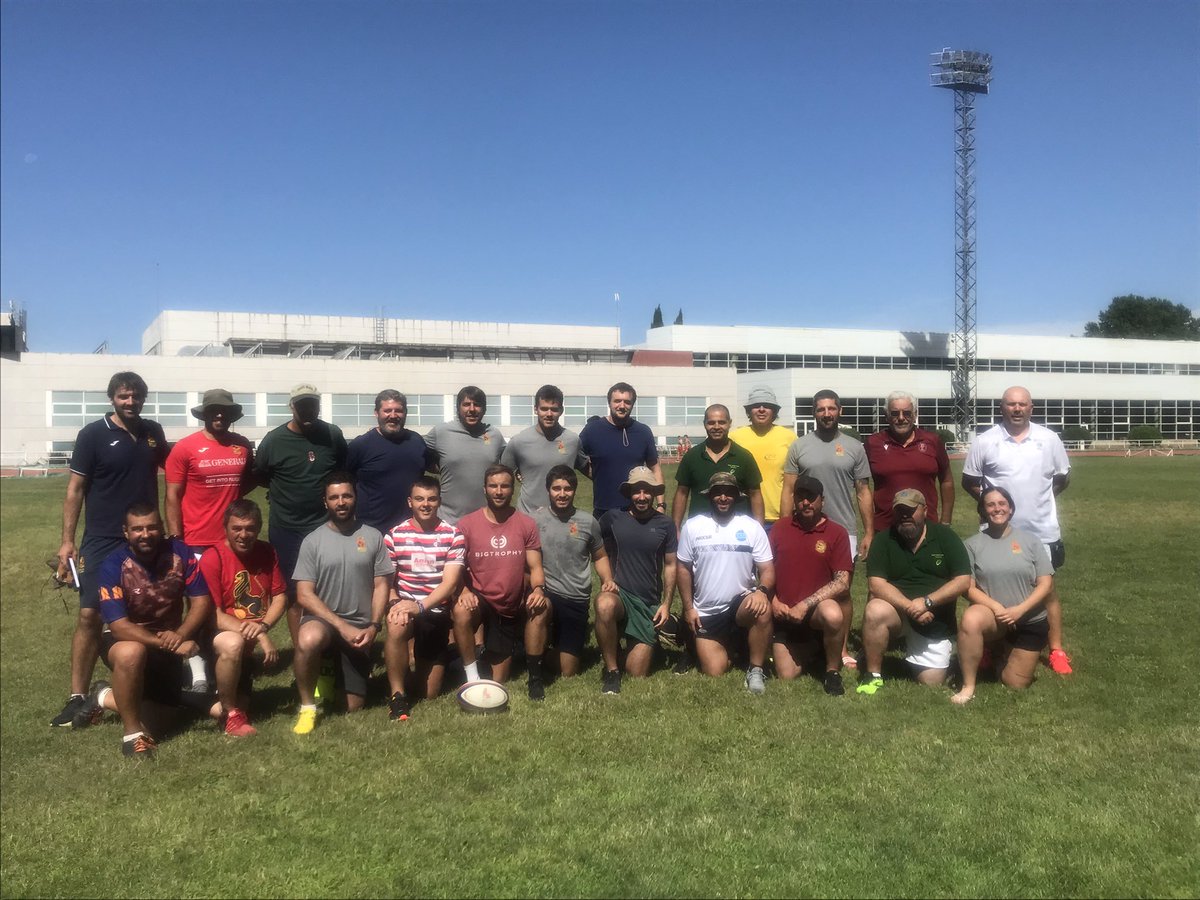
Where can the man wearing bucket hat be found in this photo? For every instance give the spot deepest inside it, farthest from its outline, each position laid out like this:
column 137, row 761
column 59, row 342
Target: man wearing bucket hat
column 207, row 471
column 768, row 443
column 916, row 571
column 641, row 542
column 726, row 581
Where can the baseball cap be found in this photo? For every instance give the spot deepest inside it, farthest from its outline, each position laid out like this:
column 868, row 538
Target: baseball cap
column 806, row 484
column 908, row 497
column 304, row 391
column 641, row 475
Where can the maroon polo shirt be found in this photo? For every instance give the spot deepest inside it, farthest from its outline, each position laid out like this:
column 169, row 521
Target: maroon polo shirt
column 920, row 464
column 806, row 560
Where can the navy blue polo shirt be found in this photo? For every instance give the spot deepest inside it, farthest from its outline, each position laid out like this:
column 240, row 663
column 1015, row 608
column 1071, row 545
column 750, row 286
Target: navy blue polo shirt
column 613, row 452
column 121, row 469
column 384, row 471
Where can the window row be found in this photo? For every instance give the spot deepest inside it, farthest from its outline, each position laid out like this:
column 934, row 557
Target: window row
column 761, row 362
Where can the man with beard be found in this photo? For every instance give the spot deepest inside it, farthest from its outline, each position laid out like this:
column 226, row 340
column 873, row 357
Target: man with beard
column 343, row 578
column 293, row 461
column 915, row 574
column 385, row 462
column 207, row 471
column 905, row 456
column 541, row 447
column 768, row 443
column 716, row 454
column 615, row 444
column 463, row 450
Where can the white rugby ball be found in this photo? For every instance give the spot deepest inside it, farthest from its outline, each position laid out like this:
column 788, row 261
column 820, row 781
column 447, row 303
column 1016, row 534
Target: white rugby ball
column 483, row 696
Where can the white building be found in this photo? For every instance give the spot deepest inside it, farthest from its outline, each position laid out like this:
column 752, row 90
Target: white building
column 1106, row 385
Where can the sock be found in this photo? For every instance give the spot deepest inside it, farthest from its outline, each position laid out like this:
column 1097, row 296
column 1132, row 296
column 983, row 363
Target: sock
column 534, row 664
column 129, row 738
column 102, row 696
column 878, row 675
column 196, row 664
column 308, row 706
column 80, row 696
column 472, row 671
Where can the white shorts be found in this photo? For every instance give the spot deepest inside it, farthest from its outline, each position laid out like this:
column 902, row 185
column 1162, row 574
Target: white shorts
column 925, row 652
column 853, row 548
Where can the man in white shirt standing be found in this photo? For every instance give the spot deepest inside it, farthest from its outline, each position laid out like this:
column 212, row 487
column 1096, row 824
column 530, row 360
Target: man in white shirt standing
column 1029, row 461
column 726, row 578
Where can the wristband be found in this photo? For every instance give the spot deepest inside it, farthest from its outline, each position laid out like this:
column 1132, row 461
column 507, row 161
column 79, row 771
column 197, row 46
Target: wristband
column 420, row 606
column 378, row 625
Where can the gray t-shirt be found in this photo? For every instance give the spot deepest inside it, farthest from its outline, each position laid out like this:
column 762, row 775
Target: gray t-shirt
column 533, row 455
column 463, row 458
column 567, row 549
column 837, row 464
column 1007, row 568
column 343, row 569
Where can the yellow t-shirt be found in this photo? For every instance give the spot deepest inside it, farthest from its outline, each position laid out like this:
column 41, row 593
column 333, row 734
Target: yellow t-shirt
column 770, row 452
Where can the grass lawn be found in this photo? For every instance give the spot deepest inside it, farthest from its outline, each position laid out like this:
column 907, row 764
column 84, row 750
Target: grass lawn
column 682, row 785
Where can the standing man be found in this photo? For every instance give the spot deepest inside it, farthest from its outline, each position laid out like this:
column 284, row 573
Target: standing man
column 206, row 471
column 915, row 574
column 716, row 454
column 250, row 596
column 905, row 456
column 539, row 448
column 571, row 545
column 616, row 444
column 385, row 462
column 1029, row 461
column 293, row 461
column 768, row 443
column 343, row 578
column 462, row 451
column 114, row 464
column 813, row 564
column 429, row 556
column 726, row 581
column 503, row 554
column 642, row 542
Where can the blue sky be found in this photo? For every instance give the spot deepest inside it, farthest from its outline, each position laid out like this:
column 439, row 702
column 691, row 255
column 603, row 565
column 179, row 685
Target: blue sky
column 758, row 162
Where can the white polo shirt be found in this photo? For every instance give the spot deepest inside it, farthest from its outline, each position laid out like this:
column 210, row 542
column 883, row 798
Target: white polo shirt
column 1026, row 470
column 722, row 558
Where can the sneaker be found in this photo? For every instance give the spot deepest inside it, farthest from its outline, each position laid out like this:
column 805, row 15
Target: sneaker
column 75, row 705
column 869, row 687
column 833, row 684
column 684, row 665
column 398, row 708
column 92, row 712
column 1060, row 662
column 610, row 682
column 305, row 722
column 537, row 689
column 237, row 724
column 141, row 747
column 756, row 680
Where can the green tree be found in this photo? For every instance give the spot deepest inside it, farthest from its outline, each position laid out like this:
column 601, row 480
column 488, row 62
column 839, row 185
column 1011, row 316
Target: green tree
column 1146, row 434
column 1132, row 316
column 1076, row 433
column 657, row 321
column 679, row 317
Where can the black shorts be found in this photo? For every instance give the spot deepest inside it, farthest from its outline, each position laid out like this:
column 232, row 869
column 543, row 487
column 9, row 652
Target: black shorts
column 570, row 622
column 287, row 548
column 796, row 633
column 720, row 626
column 502, row 635
column 352, row 667
column 1058, row 554
column 1029, row 635
column 431, row 635
column 167, row 674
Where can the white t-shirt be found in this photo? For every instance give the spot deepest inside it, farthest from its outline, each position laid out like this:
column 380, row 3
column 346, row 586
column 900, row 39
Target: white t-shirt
column 722, row 558
column 1026, row 470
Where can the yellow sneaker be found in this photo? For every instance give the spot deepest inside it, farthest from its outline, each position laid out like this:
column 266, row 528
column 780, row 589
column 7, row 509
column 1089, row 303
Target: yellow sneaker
column 305, row 722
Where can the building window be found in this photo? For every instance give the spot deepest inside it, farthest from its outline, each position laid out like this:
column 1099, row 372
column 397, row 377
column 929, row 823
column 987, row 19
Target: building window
column 685, row 410
column 77, row 408
column 249, row 404
column 279, row 409
column 353, row 409
column 577, row 410
column 426, row 410
column 520, row 410
column 646, row 411
column 167, row 408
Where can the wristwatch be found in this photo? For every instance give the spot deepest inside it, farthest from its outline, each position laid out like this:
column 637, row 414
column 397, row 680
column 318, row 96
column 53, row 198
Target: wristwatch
column 929, row 604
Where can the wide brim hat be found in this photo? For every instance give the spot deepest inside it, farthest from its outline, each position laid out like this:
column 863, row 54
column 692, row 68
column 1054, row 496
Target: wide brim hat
column 722, row 479
column 218, row 397
column 642, row 475
column 761, row 395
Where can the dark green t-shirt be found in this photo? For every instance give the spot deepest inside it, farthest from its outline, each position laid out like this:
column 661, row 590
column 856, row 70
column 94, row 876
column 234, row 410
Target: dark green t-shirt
column 294, row 465
column 940, row 558
column 697, row 467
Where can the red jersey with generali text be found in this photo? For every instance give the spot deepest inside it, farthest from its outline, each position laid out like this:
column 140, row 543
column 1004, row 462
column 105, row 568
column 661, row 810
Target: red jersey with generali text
column 212, row 475
column 242, row 588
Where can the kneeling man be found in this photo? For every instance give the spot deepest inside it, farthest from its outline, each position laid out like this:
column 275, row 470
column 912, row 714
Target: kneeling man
column 726, row 581
column 343, row 577
column 812, row 584
column 916, row 571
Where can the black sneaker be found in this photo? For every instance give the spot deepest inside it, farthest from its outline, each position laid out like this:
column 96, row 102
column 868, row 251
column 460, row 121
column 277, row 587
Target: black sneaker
column 610, row 682
column 74, row 706
column 92, row 712
column 833, row 684
column 141, row 747
column 684, row 665
column 398, row 708
column 537, row 689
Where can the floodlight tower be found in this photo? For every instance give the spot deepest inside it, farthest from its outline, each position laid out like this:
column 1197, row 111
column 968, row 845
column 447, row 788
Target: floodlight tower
column 967, row 73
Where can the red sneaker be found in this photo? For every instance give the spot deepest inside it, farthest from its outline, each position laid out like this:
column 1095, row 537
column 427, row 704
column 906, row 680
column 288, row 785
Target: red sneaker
column 1060, row 662
column 237, row 725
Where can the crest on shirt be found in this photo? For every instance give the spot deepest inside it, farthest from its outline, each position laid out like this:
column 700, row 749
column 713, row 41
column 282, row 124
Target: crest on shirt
column 499, row 542
column 361, row 545
column 151, row 443
column 1016, row 547
column 562, row 448
column 237, row 451
column 312, row 457
column 573, row 528
column 487, row 438
column 839, row 450
column 819, row 546
column 741, row 535
column 922, row 447
column 939, row 559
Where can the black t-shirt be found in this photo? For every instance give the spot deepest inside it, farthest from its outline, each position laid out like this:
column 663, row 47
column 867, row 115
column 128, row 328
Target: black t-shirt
column 121, row 469
column 637, row 550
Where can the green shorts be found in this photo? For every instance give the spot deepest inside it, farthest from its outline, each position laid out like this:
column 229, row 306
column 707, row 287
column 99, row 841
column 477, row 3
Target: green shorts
column 639, row 619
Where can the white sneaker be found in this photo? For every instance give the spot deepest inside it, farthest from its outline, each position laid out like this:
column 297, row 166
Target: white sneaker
column 756, row 680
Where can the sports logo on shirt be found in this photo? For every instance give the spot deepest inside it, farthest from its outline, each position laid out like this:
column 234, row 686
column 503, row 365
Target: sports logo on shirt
column 573, row 528
column 114, row 443
column 499, row 542
column 741, row 535
column 487, row 438
column 819, row 546
column 151, row 443
column 202, row 449
column 562, row 448
column 939, row 559
column 1016, row 548
column 361, row 545
column 839, row 450
column 312, row 457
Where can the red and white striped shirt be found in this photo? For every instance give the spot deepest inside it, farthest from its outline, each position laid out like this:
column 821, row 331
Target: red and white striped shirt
column 420, row 556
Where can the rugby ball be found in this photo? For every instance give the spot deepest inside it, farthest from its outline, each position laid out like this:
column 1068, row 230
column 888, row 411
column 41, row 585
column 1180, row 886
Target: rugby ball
column 483, row 696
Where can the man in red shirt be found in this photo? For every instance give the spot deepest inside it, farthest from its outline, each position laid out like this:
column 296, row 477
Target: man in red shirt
column 250, row 596
column 206, row 472
column 812, row 584
column 903, row 456
column 503, row 548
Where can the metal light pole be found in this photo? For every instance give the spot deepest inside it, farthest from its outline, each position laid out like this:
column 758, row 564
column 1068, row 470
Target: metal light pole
column 967, row 73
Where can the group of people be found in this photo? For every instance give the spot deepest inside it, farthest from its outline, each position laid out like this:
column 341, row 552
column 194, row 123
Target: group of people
column 417, row 536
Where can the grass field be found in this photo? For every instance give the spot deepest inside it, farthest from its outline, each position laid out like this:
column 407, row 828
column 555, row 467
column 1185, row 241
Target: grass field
column 1086, row 786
